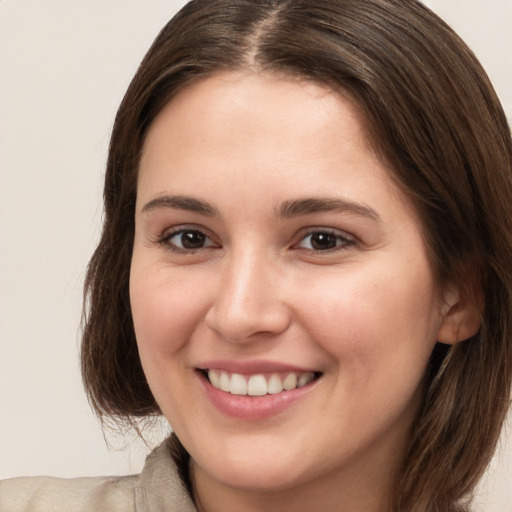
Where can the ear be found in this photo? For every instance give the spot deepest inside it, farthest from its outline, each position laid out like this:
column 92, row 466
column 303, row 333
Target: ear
column 461, row 315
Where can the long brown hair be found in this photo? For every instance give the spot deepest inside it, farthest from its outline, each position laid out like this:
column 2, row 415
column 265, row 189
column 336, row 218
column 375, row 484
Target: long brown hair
column 432, row 115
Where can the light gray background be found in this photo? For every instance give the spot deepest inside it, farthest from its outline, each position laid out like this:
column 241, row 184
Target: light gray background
column 64, row 66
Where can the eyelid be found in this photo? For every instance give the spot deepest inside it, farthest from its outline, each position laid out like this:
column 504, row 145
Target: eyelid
column 348, row 240
column 164, row 238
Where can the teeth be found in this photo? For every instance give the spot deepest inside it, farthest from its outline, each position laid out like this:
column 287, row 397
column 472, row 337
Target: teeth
column 290, row 382
column 214, row 378
column 304, row 379
column 224, row 382
column 274, row 385
column 257, row 385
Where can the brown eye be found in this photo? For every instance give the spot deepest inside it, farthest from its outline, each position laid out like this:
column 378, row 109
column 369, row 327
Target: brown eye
column 192, row 239
column 325, row 241
column 188, row 239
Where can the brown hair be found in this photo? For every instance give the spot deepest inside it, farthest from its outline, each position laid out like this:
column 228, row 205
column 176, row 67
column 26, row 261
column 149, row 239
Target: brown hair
column 433, row 115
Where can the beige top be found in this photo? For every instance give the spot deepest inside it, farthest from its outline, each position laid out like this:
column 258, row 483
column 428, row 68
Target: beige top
column 158, row 488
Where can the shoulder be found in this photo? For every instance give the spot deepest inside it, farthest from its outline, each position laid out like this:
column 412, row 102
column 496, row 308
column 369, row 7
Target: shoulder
column 160, row 487
column 44, row 494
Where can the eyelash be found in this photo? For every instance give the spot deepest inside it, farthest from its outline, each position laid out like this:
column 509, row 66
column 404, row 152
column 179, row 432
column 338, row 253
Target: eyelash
column 165, row 240
column 342, row 240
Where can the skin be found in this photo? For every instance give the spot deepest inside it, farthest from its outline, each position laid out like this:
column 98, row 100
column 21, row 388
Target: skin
column 363, row 310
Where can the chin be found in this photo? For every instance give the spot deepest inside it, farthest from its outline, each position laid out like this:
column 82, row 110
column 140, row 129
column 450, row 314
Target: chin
column 256, row 463
column 256, row 475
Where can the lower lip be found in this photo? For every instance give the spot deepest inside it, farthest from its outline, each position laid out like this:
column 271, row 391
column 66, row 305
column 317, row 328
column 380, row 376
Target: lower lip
column 250, row 407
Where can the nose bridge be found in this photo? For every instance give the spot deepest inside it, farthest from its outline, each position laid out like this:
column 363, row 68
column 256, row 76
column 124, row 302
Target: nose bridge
column 248, row 300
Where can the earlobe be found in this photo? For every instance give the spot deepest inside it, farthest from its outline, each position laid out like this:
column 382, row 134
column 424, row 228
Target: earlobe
column 461, row 317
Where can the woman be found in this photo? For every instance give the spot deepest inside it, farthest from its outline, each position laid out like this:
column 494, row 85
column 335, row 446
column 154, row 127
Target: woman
column 304, row 265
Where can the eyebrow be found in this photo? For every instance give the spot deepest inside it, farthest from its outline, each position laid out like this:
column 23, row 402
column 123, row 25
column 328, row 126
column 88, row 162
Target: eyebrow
column 181, row 203
column 287, row 209
column 297, row 207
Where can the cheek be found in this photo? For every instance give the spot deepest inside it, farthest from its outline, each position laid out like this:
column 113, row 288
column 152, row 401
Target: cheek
column 376, row 322
column 166, row 309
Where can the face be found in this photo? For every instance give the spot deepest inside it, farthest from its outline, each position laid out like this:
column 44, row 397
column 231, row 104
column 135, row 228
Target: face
column 283, row 302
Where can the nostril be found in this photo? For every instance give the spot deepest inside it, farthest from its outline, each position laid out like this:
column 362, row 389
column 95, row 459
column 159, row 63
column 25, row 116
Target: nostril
column 241, row 325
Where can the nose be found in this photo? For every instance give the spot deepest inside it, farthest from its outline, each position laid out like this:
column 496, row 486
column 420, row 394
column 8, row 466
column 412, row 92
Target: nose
column 249, row 303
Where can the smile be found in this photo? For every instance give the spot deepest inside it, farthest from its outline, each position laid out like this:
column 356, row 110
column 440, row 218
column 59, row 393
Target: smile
column 259, row 384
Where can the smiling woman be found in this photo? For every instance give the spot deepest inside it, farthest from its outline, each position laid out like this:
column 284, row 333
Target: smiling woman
column 300, row 302
column 305, row 265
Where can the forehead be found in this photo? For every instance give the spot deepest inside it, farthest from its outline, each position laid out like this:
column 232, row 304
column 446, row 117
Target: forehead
column 285, row 109
column 261, row 124
column 232, row 93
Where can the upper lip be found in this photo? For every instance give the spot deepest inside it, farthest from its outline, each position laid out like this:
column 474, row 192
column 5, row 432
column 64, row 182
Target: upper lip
column 253, row 367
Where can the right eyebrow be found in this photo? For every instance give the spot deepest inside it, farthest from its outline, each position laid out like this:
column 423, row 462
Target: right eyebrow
column 181, row 203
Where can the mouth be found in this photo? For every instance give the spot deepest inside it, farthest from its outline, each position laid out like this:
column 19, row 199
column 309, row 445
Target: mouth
column 260, row 384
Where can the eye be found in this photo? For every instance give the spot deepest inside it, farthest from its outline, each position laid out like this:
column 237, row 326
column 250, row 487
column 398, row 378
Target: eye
column 325, row 240
column 184, row 240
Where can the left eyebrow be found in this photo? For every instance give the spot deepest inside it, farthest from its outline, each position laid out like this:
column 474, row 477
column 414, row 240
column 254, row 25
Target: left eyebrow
column 297, row 207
